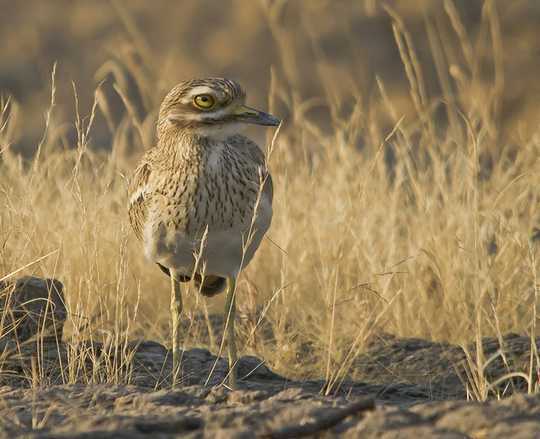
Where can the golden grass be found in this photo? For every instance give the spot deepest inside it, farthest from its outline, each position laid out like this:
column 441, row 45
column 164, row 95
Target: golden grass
column 425, row 230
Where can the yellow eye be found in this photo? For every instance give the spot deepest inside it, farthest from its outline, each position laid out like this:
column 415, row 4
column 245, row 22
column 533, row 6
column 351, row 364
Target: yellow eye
column 204, row 102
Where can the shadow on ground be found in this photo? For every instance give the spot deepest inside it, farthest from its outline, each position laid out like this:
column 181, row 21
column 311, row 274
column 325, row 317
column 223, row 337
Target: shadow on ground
column 406, row 388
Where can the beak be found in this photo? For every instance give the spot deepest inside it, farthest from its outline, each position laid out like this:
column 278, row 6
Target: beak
column 246, row 114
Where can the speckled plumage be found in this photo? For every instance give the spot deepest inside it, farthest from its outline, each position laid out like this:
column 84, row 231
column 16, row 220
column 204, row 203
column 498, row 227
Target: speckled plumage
column 191, row 182
column 195, row 183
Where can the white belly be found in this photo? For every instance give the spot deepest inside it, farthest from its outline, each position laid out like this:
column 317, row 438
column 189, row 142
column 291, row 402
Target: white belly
column 220, row 253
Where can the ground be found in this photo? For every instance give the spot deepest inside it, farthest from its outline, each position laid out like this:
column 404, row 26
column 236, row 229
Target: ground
column 409, row 388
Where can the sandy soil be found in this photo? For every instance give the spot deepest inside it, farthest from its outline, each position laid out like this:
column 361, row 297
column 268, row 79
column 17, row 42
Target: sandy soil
column 408, row 388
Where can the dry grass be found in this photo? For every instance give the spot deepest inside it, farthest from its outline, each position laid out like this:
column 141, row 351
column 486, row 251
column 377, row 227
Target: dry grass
column 417, row 222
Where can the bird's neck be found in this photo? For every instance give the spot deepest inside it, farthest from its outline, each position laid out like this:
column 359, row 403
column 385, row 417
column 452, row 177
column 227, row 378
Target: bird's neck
column 185, row 146
column 169, row 134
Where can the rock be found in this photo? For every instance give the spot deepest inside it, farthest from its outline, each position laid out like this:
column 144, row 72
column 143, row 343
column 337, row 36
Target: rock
column 439, row 369
column 152, row 363
column 118, row 411
column 30, row 306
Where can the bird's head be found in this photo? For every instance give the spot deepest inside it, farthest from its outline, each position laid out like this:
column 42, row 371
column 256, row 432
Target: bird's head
column 211, row 107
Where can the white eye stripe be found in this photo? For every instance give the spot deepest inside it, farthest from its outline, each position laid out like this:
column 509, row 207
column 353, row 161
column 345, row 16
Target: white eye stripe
column 214, row 114
column 211, row 115
column 201, row 90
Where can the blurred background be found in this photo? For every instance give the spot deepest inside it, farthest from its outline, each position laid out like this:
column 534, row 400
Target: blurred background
column 302, row 42
column 406, row 173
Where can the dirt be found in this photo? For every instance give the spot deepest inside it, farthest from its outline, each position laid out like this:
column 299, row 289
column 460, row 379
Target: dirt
column 408, row 388
column 402, row 387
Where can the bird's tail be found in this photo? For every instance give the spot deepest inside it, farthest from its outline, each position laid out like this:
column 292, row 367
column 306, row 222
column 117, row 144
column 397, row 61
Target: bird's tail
column 209, row 285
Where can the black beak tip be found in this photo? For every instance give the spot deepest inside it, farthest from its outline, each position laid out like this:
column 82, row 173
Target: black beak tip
column 273, row 121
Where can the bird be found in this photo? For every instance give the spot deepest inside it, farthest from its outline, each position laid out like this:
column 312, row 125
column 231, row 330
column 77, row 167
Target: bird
column 200, row 200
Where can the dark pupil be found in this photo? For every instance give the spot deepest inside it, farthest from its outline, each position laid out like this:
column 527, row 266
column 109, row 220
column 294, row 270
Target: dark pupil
column 204, row 98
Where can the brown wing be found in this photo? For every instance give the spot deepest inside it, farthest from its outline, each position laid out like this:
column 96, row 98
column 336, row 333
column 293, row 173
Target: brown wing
column 139, row 195
column 268, row 190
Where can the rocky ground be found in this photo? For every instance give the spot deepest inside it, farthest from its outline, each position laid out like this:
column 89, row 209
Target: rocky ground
column 405, row 388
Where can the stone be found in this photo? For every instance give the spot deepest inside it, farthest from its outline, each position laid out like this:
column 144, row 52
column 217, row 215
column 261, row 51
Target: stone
column 31, row 306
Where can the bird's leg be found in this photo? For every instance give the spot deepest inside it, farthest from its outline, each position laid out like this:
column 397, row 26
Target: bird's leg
column 176, row 311
column 229, row 328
